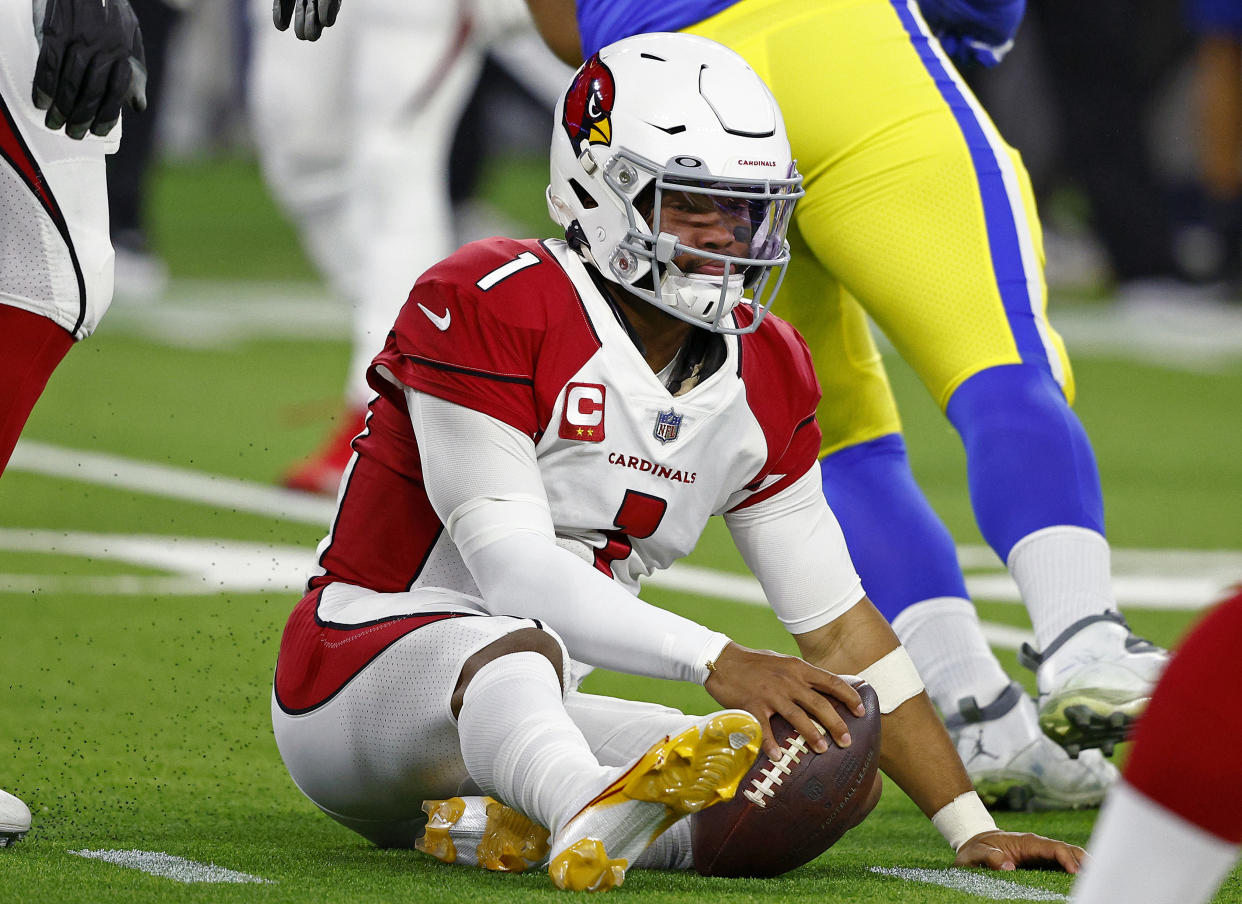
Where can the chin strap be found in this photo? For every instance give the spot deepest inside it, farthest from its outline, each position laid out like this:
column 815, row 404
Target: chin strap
column 697, row 295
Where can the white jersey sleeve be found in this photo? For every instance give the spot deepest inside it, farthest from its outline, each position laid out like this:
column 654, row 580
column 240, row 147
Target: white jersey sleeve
column 483, row 480
column 794, row 545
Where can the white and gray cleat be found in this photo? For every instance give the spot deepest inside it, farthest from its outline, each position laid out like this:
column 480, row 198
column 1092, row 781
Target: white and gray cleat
column 1015, row 766
column 14, row 819
column 1094, row 680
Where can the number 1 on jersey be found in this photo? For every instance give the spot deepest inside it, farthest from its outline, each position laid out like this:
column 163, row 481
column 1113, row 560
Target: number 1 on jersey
column 638, row 517
column 504, row 271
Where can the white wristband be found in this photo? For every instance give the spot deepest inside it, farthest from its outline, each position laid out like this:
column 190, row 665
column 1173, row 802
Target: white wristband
column 962, row 818
column 894, row 678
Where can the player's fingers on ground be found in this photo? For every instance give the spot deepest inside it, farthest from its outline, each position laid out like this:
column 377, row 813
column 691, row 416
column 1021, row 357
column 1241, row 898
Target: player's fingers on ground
column 1031, row 851
column 86, row 107
column 1039, row 852
column 1070, row 856
column 329, row 11
column 996, row 858
column 114, row 94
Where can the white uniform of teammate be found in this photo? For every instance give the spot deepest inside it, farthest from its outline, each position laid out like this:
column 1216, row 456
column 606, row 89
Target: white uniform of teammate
column 55, row 254
column 525, row 390
column 353, row 133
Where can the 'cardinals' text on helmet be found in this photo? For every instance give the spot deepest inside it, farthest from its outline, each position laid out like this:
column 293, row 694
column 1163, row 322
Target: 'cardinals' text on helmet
column 661, row 113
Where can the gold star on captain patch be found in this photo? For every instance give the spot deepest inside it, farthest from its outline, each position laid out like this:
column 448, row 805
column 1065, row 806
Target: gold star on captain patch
column 579, row 431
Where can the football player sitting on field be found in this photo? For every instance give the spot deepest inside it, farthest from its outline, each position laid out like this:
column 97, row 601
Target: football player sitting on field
column 556, row 420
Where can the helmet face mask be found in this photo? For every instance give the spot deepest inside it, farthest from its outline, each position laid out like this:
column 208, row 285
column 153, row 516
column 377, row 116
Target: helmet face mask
column 704, row 230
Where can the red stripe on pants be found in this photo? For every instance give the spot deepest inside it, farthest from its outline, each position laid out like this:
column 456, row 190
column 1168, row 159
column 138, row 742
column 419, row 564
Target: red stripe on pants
column 31, row 346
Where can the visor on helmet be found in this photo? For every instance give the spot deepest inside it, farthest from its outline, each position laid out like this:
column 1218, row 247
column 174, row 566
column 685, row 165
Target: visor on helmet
column 758, row 212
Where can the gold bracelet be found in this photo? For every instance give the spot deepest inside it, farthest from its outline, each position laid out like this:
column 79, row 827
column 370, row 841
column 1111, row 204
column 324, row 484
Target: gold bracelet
column 711, row 666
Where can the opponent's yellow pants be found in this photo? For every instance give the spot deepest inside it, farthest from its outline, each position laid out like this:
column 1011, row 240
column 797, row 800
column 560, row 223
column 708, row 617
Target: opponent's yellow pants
column 916, row 211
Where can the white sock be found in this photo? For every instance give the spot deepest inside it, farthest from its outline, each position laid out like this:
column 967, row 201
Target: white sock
column 1063, row 576
column 520, row 745
column 671, row 850
column 946, row 643
column 1142, row 852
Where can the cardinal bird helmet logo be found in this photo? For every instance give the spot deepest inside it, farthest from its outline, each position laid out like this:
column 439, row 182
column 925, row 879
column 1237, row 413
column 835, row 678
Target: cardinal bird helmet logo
column 588, row 105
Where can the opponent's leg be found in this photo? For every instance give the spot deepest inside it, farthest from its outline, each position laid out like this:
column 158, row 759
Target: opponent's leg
column 1036, row 495
column 919, row 208
column 908, row 562
column 886, row 520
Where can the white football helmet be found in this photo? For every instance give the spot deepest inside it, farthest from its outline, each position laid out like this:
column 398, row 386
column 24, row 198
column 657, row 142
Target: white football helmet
column 660, row 113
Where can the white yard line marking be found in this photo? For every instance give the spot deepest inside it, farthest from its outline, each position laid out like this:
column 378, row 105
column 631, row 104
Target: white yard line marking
column 198, row 566
column 157, row 863
column 971, row 883
column 172, row 482
column 1156, row 579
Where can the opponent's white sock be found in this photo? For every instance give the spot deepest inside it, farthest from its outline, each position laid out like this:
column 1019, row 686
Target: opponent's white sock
column 1063, row 575
column 1142, row 852
column 946, row 643
column 520, row 745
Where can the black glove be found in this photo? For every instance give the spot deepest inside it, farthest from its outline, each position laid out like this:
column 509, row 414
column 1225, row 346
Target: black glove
column 309, row 17
column 90, row 61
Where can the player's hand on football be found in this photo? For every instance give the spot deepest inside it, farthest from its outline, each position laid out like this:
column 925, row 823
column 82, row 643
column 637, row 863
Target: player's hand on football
column 1019, row 850
column 91, row 61
column 309, row 17
column 763, row 683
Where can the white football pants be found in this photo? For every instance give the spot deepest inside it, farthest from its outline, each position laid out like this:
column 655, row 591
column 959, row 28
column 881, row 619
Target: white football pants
column 371, row 754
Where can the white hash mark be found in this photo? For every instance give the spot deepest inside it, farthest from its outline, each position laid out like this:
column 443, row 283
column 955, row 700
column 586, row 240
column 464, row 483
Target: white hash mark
column 972, row 884
column 157, row 863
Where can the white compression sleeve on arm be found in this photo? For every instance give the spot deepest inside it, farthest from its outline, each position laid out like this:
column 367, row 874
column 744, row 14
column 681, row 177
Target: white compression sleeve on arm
column 483, row 480
column 794, row 545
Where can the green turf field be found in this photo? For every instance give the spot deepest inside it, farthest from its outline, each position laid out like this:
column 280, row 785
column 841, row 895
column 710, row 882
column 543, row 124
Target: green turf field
column 142, row 614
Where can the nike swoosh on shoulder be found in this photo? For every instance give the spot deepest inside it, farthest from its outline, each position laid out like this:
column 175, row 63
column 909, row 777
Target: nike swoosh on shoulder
column 441, row 321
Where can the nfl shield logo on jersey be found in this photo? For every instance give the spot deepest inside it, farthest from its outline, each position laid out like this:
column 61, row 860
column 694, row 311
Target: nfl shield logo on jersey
column 667, row 426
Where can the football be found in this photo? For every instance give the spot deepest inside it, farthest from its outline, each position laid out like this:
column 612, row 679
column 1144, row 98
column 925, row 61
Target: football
column 789, row 811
